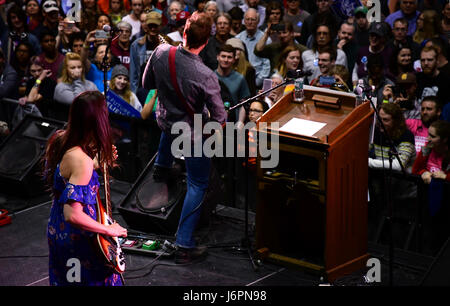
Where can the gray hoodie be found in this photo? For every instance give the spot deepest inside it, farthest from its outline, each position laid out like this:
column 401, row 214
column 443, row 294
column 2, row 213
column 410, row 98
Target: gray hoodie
column 66, row 92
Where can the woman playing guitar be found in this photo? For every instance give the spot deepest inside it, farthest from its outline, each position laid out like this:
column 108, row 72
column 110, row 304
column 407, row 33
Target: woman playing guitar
column 70, row 162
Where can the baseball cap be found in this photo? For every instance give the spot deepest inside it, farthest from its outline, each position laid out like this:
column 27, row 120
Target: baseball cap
column 181, row 17
column 377, row 28
column 406, row 78
column 153, row 17
column 50, row 6
column 360, row 10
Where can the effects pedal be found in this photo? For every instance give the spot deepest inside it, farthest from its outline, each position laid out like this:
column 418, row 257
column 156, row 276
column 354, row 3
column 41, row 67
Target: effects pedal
column 145, row 246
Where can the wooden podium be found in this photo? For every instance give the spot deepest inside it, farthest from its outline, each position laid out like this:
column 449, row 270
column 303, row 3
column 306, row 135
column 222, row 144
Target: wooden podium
column 312, row 208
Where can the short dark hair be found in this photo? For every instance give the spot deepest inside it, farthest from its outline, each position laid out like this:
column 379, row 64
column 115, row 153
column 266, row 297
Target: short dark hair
column 236, row 13
column 433, row 99
column 331, row 51
column 46, row 32
column 197, row 30
column 227, row 48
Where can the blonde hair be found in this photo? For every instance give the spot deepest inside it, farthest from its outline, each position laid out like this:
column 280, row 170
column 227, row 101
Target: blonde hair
column 127, row 93
column 70, row 56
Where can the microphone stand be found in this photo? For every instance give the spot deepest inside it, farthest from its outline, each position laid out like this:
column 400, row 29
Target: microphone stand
column 392, row 153
column 105, row 65
column 246, row 240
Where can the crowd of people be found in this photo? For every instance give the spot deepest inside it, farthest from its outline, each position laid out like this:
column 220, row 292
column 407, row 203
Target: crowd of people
column 49, row 55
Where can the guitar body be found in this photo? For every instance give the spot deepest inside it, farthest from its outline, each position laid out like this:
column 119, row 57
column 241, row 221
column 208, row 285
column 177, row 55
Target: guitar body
column 109, row 246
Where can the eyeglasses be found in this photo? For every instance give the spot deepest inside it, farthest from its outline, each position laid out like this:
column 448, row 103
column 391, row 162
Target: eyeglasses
column 251, row 19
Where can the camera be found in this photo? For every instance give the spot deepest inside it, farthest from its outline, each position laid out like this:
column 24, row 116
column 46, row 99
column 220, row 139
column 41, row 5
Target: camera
column 101, row 34
column 278, row 27
column 406, row 104
column 399, row 91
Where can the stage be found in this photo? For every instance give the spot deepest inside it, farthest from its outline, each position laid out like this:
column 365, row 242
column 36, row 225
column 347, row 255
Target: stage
column 24, row 261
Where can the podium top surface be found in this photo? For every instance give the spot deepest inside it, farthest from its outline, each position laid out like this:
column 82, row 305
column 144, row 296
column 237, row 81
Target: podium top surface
column 319, row 122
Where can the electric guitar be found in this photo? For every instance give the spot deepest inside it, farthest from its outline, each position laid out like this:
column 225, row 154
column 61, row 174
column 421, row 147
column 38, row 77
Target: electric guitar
column 109, row 246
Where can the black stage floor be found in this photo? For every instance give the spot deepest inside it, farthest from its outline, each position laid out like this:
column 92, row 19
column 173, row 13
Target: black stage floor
column 24, row 262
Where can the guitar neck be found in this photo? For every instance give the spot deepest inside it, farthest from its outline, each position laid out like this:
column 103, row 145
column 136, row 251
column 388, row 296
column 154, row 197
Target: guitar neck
column 107, row 189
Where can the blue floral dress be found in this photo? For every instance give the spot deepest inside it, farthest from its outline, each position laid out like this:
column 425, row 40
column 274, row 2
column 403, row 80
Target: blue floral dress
column 69, row 247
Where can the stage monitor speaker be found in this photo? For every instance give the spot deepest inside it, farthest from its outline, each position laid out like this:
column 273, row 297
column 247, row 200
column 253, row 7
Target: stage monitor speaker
column 154, row 207
column 437, row 275
column 20, row 155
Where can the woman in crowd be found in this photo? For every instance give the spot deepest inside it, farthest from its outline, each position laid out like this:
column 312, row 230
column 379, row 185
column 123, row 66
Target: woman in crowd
column 33, row 12
column 21, row 62
column 120, row 84
column 73, row 81
column 290, row 59
column 401, row 62
column 71, row 158
column 433, row 160
column 428, row 26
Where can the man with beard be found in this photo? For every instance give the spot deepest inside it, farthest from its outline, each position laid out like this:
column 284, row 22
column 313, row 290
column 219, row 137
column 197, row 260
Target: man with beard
column 430, row 112
column 431, row 81
column 345, row 42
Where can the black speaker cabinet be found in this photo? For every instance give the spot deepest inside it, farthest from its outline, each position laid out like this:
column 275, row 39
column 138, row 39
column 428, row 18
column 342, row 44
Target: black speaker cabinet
column 155, row 207
column 20, row 155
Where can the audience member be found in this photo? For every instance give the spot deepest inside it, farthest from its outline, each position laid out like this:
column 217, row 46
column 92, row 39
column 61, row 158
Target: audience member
column 237, row 16
column 177, row 35
column 73, row 82
column 441, row 47
column 142, row 48
column 50, row 57
column 8, row 89
column 227, row 5
column 242, row 65
column 408, row 11
column 295, row 15
column 324, row 15
column 234, row 81
column 254, row 4
column 394, row 122
column 89, row 14
column 431, row 82
column 120, row 47
column 116, row 11
column 322, row 39
column 16, row 32
column 378, row 33
column 276, row 94
column 401, row 39
column 326, row 61
column 290, row 59
column 445, row 23
column 274, row 15
column 120, row 85
column 20, row 63
column 250, row 38
column 430, row 111
column 345, row 41
column 133, row 17
column 40, row 88
column 34, row 15
column 401, row 61
column 361, row 26
column 428, row 26
column 284, row 36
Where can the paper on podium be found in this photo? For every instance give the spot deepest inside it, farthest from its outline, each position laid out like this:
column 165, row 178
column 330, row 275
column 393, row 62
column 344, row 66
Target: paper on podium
column 302, row 127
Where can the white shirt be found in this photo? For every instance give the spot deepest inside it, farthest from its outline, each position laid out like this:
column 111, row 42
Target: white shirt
column 135, row 24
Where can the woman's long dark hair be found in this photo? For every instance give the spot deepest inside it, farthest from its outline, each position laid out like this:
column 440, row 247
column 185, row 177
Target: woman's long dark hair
column 88, row 127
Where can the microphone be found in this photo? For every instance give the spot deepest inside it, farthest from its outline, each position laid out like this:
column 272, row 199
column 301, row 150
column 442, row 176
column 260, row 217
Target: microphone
column 294, row 74
column 359, row 90
column 111, row 30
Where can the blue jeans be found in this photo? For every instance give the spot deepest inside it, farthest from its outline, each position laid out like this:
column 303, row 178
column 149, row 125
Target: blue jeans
column 197, row 169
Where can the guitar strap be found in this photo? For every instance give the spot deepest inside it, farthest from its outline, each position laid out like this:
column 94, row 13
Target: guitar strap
column 173, row 77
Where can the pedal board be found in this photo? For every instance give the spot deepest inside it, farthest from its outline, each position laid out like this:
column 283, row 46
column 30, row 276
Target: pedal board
column 146, row 246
